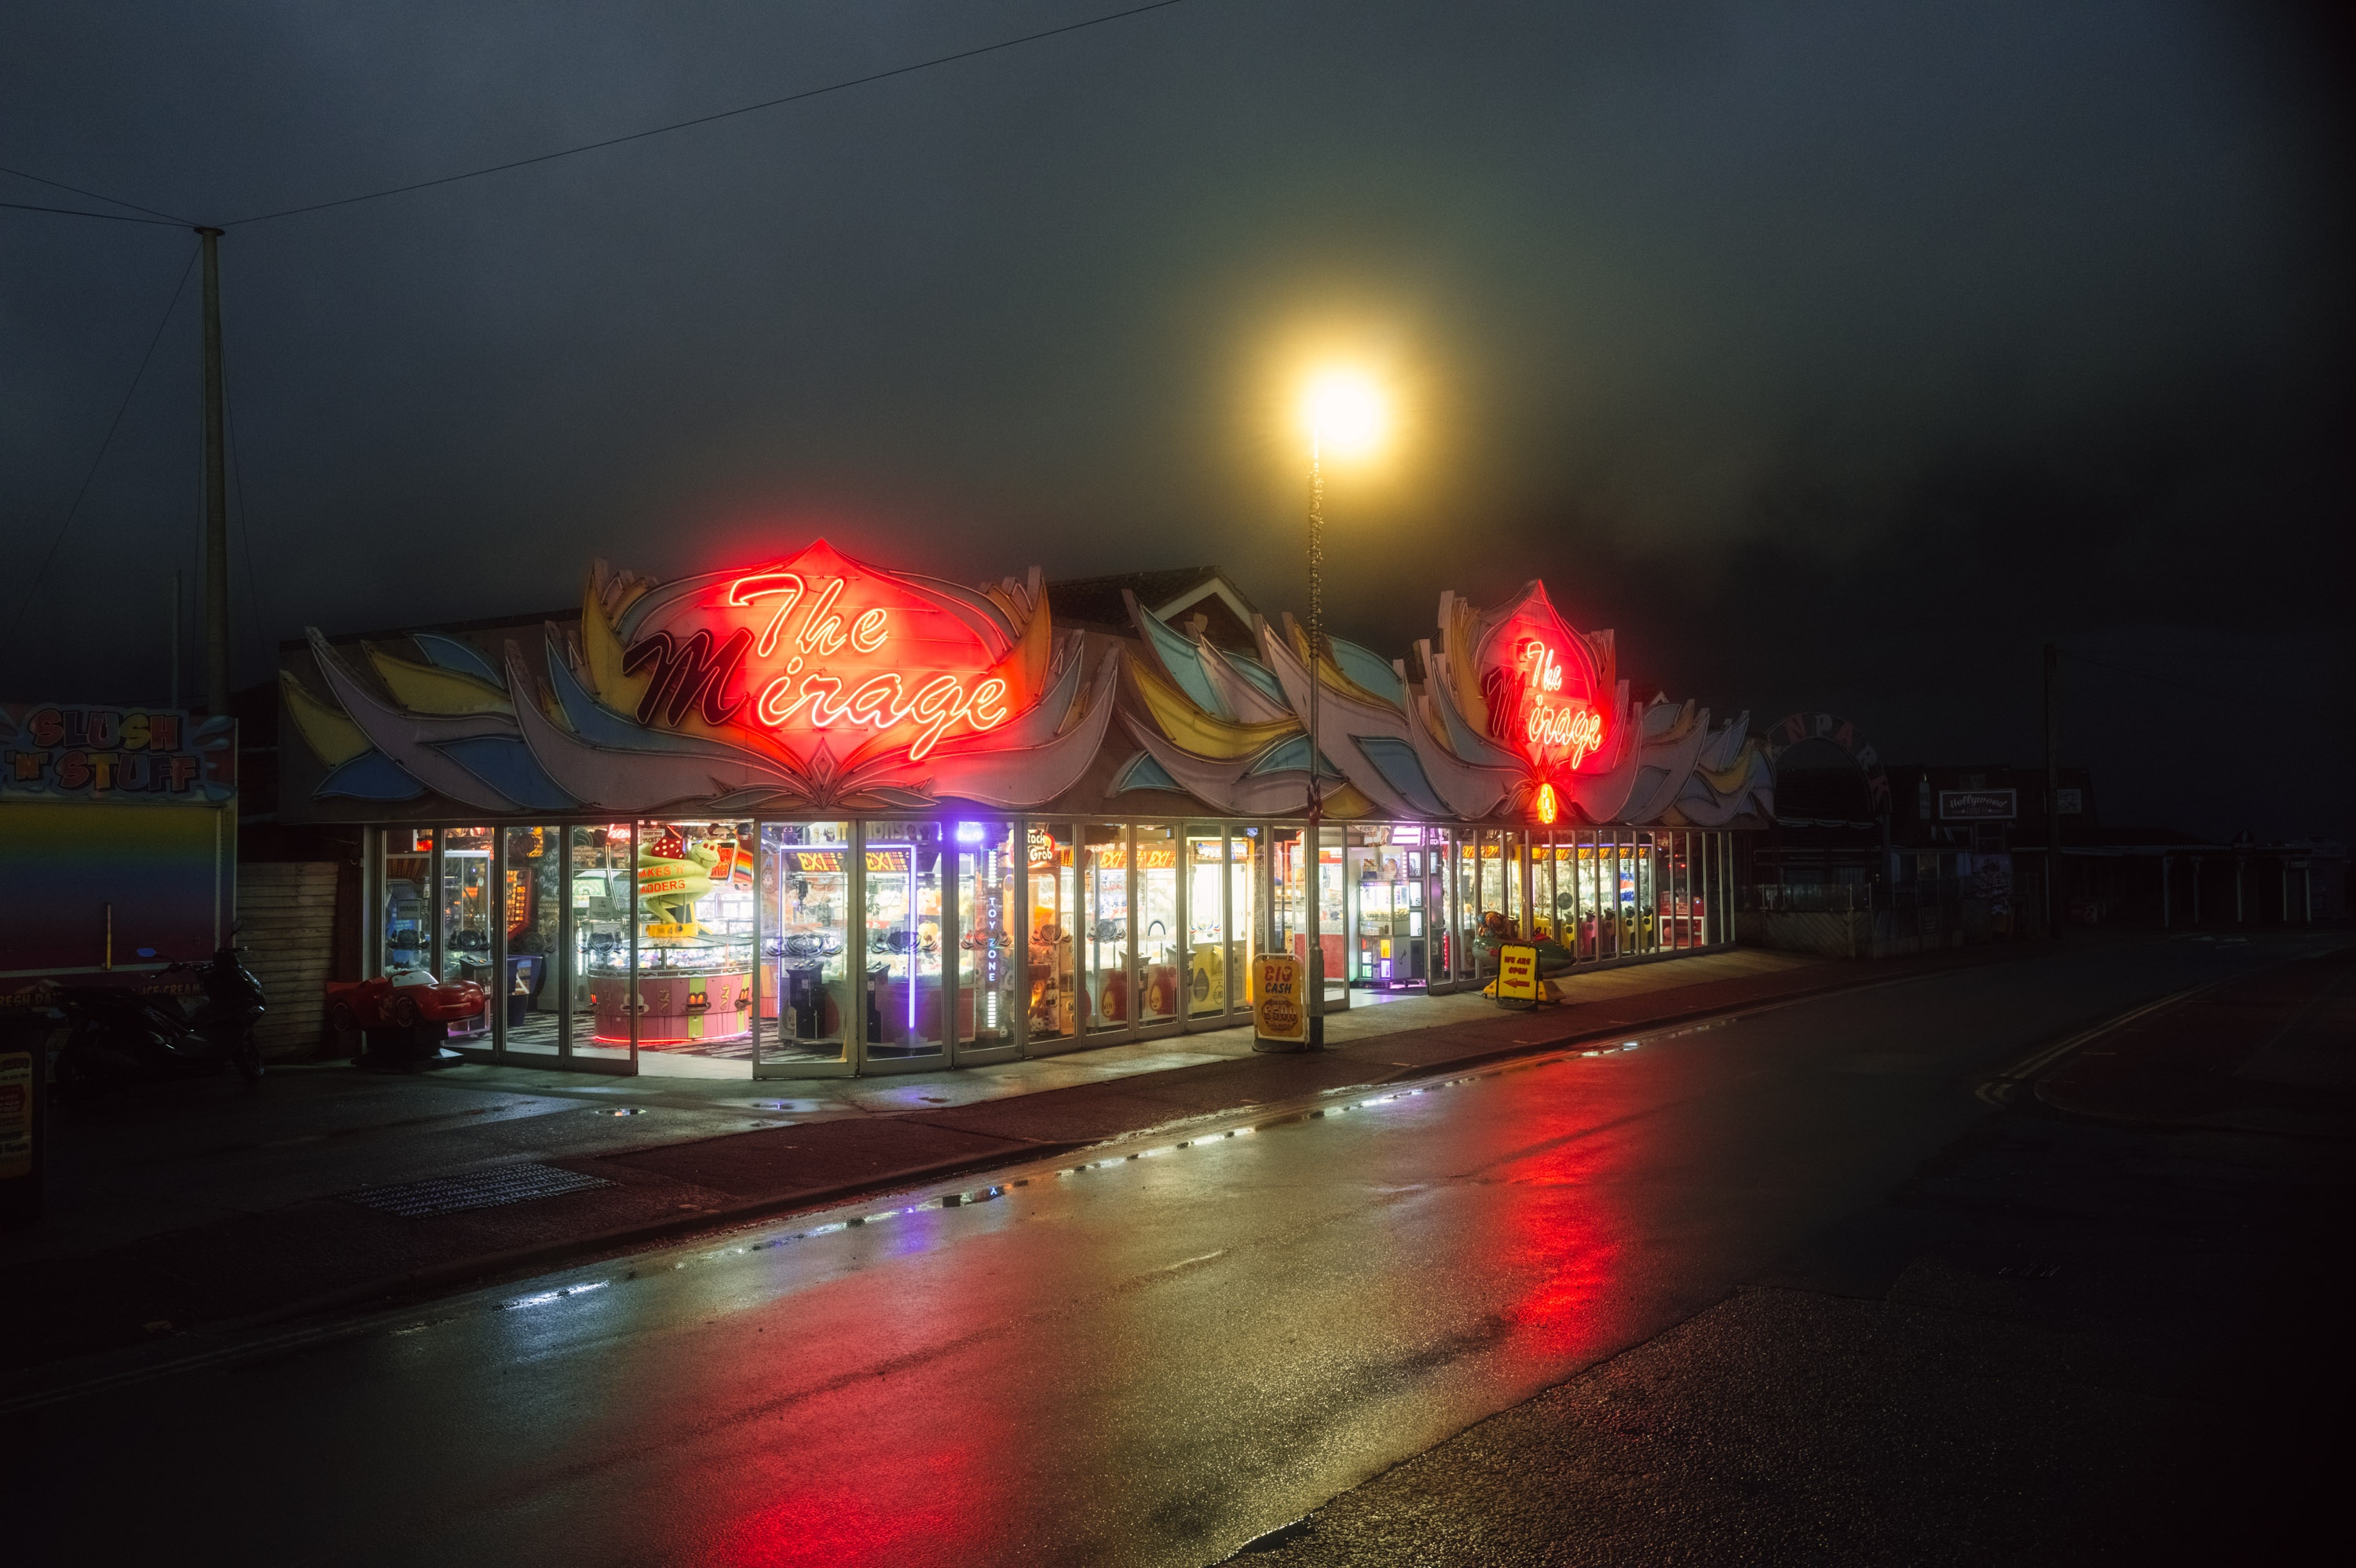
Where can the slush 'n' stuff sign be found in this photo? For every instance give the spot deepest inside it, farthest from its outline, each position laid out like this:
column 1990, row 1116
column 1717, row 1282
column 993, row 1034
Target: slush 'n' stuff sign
column 74, row 752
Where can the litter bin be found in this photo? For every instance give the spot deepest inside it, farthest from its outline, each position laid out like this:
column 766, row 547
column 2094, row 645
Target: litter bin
column 526, row 973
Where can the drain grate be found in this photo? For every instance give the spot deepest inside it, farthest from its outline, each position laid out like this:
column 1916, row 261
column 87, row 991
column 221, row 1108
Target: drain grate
column 484, row 1189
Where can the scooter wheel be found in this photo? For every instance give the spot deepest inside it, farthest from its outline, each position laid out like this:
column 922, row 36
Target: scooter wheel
column 86, row 1076
column 247, row 1058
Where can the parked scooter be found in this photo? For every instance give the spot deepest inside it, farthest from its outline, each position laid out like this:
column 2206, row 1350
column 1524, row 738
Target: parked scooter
column 116, row 1037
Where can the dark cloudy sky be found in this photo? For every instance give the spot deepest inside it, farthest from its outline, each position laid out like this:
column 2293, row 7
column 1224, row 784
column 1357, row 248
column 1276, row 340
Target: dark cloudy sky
column 1838, row 355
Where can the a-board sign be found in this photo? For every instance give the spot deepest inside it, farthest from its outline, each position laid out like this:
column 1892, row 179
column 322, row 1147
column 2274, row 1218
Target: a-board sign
column 1517, row 975
column 1279, row 1010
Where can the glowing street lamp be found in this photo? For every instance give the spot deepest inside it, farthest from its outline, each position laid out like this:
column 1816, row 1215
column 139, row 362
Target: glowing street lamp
column 1346, row 414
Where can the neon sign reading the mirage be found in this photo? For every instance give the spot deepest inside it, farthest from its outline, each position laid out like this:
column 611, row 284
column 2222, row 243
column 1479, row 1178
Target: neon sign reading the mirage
column 695, row 673
column 1553, row 723
column 932, row 702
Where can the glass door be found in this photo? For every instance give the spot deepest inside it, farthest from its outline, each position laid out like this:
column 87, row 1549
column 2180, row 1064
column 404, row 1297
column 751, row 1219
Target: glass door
column 595, row 990
column 1105, row 928
column 906, row 1008
column 987, row 894
column 1056, row 1006
column 1469, row 910
column 406, row 887
column 1370, row 932
column 808, row 1001
column 1336, row 911
column 694, row 997
column 530, row 869
column 1207, row 857
column 1246, row 887
column 463, row 937
column 1159, row 929
column 1439, row 909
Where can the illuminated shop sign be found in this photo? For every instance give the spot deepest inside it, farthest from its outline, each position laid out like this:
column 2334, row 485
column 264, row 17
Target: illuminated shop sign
column 1154, row 857
column 1541, row 695
column 1979, row 805
column 1544, row 690
column 831, row 862
column 56, row 752
column 821, row 644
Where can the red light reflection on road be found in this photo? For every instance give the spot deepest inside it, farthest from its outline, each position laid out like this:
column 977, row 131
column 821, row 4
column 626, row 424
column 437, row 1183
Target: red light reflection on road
column 932, row 1507
column 1566, row 1241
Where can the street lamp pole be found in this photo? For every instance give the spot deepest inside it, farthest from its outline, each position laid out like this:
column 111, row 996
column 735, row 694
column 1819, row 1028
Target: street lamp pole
column 1313, row 865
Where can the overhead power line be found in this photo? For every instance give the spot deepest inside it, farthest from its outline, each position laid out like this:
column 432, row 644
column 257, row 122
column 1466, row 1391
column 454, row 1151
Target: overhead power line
column 93, row 195
column 723, row 114
column 77, row 212
column 33, row 589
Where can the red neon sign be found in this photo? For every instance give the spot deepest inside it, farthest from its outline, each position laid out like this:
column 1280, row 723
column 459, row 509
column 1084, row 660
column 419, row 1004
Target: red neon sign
column 1542, row 694
column 821, row 642
column 1553, row 723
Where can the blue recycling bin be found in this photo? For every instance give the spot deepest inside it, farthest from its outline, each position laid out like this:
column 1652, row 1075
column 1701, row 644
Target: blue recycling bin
column 527, row 972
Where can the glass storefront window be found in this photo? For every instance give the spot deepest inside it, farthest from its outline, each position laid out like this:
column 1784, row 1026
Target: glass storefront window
column 1586, row 888
column 408, row 884
column 904, row 938
column 1470, row 910
column 1055, row 1011
column 602, row 881
column 986, row 895
column 1646, row 899
column 468, row 906
column 1493, row 877
column 1246, row 939
column 1546, row 921
column 1105, row 925
column 1676, row 893
column 1288, row 916
column 1516, row 867
column 1439, row 920
column 806, row 961
column 1161, row 973
column 694, row 991
column 1390, row 935
column 534, row 922
column 1207, row 952
column 1334, row 891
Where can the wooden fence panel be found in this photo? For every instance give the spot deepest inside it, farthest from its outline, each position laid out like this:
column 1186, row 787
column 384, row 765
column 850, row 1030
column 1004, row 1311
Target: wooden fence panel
column 287, row 912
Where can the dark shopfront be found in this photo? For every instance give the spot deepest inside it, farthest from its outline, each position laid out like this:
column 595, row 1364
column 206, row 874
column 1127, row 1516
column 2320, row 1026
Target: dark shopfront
column 1959, row 852
column 816, row 818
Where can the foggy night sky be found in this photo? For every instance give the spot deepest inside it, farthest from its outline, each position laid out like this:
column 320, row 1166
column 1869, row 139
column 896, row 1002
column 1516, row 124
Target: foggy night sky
column 1836, row 355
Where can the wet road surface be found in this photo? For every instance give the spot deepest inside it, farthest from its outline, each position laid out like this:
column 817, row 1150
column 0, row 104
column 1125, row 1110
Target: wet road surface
column 1150, row 1360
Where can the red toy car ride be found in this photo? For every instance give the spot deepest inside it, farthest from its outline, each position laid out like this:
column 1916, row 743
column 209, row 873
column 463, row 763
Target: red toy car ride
column 400, row 1000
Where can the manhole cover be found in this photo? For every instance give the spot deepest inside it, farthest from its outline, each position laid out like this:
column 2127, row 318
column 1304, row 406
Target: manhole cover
column 484, row 1189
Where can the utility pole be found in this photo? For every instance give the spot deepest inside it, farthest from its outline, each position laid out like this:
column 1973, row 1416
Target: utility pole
column 176, row 637
column 1313, row 869
column 216, row 494
column 2052, row 791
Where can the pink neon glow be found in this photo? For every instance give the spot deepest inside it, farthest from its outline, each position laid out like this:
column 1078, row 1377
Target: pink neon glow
column 815, row 689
